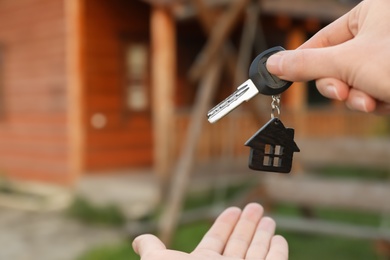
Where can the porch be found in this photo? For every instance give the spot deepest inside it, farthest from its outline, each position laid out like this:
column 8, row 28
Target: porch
column 227, row 137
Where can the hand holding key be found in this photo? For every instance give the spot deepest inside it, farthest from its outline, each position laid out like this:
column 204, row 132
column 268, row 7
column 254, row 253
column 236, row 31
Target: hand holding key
column 273, row 146
column 260, row 81
column 349, row 59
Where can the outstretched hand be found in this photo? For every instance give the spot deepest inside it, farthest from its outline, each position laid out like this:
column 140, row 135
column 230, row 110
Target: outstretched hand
column 235, row 235
column 349, row 59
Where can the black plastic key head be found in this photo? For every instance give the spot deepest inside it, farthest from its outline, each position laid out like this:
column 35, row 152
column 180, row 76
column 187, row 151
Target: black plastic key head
column 265, row 82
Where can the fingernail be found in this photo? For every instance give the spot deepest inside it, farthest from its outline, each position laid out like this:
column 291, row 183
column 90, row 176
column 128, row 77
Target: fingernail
column 273, row 64
column 267, row 224
column 359, row 104
column 331, row 92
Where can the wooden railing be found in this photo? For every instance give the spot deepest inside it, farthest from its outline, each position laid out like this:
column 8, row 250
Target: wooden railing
column 227, row 136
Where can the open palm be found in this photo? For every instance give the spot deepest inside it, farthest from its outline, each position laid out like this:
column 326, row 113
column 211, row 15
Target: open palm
column 235, row 235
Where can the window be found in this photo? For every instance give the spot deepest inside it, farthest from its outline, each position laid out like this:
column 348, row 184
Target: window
column 136, row 89
column 273, row 155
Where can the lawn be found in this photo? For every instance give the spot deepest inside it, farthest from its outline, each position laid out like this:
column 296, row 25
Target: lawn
column 301, row 246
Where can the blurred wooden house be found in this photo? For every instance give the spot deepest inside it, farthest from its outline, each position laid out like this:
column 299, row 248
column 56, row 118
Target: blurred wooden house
column 95, row 85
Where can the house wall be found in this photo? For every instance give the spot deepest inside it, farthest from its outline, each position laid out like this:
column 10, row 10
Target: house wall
column 125, row 139
column 33, row 125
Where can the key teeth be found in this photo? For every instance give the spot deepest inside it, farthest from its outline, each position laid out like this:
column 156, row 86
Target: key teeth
column 213, row 117
column 243, row 93
column 228, row 101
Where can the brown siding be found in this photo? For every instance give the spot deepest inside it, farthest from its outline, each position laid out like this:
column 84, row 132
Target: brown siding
column 126, row 139
column 33, row 134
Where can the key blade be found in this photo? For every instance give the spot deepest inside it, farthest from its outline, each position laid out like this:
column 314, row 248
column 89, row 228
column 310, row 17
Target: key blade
column 244, row 92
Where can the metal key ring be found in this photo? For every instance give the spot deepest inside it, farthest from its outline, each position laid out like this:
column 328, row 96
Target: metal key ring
column 275, row 105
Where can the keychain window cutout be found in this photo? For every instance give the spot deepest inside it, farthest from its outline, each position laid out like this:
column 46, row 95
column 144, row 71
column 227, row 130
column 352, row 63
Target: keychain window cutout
column 277, row 162
column 272, row 155
column 267, row 161
column 278, row 150
column 272, row 148
column 268, row 149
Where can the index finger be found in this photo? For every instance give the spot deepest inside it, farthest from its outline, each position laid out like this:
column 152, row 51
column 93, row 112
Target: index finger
column 218, row 235
column 339, row 31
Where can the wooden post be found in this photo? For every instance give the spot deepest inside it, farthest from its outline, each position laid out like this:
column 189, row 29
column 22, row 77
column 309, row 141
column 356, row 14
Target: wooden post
column 208, row 18
column 163, row 75
column 74, row 14
column 184, row 166
column 247, row 42
column 205, row 17
column 220, row 32
column 295, row 97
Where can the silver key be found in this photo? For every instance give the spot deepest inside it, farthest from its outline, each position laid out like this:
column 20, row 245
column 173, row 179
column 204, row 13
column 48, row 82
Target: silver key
column 260, row 81
column 244, row 92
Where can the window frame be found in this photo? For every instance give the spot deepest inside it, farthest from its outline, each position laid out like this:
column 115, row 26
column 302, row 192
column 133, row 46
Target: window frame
column 273, row 155
column 127, row 43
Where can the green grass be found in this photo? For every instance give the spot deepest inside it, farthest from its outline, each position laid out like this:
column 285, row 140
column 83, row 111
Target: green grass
column 309, row 247
column 83, row 210
column 354, row 172
column 302, row 246
column 186, row 238
column 344, row 216
column 121, row 251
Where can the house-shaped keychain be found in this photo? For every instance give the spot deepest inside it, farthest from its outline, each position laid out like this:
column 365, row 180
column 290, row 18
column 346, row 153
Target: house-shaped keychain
column 272, row 148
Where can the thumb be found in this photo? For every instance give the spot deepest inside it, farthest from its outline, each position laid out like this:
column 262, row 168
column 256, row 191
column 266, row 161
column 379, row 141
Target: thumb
column 145, row 244
column 307, row 64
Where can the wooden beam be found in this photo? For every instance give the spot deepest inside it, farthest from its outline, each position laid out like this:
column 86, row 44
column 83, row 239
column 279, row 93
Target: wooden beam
column 252, row 29
column 247, row 42
column 184, row 10
column 163, row 76
column 324, row 10
column 218, row 36
column 205, row 15
column 240, row 75
column 2, row 97
column 317, row 226
column 295, row 98
column 171, row 215
column 236, row 66
column 370, row 153
column 207, row 19
column 74, row 63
